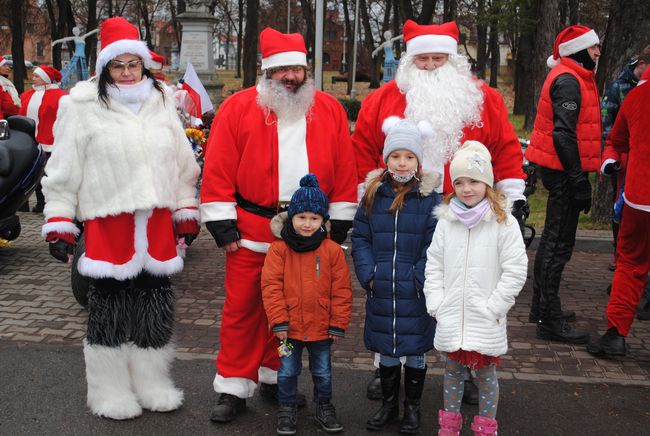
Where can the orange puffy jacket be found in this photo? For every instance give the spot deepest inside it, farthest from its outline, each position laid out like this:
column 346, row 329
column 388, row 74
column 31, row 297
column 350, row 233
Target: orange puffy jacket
column 310, row 291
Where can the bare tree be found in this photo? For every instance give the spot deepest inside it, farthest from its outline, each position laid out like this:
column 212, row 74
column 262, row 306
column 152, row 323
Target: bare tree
column 61, row 24
column 495, row 60
column 250, row 43
column 17, row 37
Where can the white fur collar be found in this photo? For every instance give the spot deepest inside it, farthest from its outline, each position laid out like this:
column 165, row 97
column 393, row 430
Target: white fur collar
column 428, row 183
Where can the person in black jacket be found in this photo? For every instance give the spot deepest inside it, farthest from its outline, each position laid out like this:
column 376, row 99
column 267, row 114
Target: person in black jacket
column 565, row 144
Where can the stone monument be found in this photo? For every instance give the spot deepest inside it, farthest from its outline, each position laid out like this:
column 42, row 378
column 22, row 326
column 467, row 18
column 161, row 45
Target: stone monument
column 197, row 47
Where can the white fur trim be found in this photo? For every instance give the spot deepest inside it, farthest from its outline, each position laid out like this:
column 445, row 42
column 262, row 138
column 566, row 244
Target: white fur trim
column 109, row 382
column 140, row 260
column 582, row 42
column 186, row 215
column 389, row 123
column 60, row 227
column 342, row 210
column 42, row 74
column 607, row 162
column 431, row 44
column 218, row 210
column 123, row 46
column 643, row 207
column 257, row 247
column 513, row 189
column 284, row 59
column 267, row 375
column 237, row 386
column 33, row 106
column 151, row 379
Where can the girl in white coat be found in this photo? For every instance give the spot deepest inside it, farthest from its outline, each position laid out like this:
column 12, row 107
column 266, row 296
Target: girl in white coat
column 476, row 266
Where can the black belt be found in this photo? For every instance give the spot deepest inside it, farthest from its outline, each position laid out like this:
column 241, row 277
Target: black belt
column 266, row 212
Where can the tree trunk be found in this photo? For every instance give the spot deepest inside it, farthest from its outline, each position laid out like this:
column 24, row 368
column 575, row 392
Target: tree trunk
column 250, row 43
column 240, row 33
column 397, row 28
column 450, row 8
column 627, row 20
column 428, row 9
column 370, row 44
column 91, row 41
column 17, row 41
column 481, row 40
column 308, row 14
column 574, row 12
column 495, row 58
column 406, row 9
column 524, row 92
column 54, row 34
column 547, row 28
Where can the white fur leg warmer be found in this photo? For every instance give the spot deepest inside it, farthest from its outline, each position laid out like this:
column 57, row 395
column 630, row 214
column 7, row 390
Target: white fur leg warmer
column 150, row 375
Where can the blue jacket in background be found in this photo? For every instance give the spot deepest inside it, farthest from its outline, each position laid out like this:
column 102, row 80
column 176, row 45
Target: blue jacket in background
column 391, row 250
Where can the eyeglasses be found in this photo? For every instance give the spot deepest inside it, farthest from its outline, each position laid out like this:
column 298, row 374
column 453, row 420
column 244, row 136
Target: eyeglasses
column 118, row 66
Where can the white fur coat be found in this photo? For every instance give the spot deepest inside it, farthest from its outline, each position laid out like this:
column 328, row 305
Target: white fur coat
column 109, row 161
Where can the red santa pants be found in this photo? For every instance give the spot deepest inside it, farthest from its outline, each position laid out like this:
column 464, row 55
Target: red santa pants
column 632, row 266
column 247, row 342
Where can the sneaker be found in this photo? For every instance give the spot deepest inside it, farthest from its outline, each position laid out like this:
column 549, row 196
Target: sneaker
column 286, row 420
column 326, row 418
column 227, row 408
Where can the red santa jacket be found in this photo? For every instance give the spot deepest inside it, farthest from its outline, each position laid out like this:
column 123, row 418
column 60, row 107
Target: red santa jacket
column 630, row 134
column 588, row 130
column 496, row 133
column 41, row 105
column 7, row 106
column 250, row 153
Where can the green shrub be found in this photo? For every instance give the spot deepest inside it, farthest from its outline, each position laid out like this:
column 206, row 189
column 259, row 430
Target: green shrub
column 351, row 107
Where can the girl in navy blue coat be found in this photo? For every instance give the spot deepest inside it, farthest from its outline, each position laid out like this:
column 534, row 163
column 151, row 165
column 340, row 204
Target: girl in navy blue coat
column 393, row 228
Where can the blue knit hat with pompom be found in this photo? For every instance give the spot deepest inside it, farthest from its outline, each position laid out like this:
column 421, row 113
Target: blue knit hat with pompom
column 309, row 198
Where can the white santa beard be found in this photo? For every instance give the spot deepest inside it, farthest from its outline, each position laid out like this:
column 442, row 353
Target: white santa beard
column 286, row 104
column 449, row 98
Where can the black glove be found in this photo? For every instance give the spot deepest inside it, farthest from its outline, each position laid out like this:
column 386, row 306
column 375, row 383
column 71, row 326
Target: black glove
column 223, row 231
column 339, row 230
column 581, row 193
column 520, row 210
column 611, row 168
column 61, row 249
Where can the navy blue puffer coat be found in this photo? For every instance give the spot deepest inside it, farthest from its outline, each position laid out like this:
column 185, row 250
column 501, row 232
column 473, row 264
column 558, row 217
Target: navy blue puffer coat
column 391, row 251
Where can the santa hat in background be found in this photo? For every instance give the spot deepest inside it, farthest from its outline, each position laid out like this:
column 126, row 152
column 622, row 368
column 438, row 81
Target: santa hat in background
column 432, row 38
column 157, row 61
column 570, row 41
column 282, row 49
column 118, row 37
column 3, row 61
column 644, row 77
column 47, row 73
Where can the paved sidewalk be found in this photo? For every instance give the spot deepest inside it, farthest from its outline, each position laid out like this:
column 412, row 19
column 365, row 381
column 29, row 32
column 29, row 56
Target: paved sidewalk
column 36, row 306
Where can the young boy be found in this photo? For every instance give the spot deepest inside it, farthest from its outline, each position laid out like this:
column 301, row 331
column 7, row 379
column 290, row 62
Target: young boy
column 308, row 301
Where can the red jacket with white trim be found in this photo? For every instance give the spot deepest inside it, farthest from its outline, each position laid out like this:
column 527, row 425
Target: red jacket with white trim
column 43, row 109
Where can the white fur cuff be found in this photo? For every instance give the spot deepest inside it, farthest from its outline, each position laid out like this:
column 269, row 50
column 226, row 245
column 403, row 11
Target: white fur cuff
column 186, row 215
column 60, row 227
column 267, row 375
column 237, row 386
column 342, row 210
column 218, row 211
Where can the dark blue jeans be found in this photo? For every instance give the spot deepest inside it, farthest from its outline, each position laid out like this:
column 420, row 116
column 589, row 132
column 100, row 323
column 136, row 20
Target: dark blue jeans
column 320, row 367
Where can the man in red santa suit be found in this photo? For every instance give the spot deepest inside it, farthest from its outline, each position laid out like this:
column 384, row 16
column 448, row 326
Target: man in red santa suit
column 629, row 135
column 41, row 104
column 262, row 141
column 123, row 166
column 434, row 83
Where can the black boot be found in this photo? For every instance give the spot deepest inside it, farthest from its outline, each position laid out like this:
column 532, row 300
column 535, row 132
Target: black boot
column 413, row 385
column 470, row 390
column 567, row 315
column 286, row 420
column 561, row 331
column 326, row 417
column 227, row 409
column 611, row 344
column 389, row 409
column 373, row 391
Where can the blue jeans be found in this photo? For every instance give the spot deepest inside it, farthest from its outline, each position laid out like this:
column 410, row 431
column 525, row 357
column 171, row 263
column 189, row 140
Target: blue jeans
column 414, row 361
column 320, row 366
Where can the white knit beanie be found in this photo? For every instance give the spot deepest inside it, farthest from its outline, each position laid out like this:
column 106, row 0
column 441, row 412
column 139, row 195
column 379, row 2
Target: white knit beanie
column 472, row 160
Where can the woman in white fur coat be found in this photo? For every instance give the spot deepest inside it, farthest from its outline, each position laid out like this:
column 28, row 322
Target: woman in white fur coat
column 123, row 166
column 476, row 266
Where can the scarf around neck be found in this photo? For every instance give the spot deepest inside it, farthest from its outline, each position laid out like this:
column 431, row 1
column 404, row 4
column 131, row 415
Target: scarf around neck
column 469, row 216
column 131, row 96
column 302, row 244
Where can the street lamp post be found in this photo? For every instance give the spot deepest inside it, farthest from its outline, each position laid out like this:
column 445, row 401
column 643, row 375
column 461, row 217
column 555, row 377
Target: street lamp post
column 354, row 49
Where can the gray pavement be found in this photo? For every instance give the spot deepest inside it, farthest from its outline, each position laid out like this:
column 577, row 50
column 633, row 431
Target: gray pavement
column 41, row 327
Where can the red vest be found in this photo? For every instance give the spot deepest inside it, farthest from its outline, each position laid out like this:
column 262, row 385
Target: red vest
column 588, row 130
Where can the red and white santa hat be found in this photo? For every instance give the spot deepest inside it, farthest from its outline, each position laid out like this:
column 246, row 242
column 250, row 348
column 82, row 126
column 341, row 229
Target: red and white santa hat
column 48, row 74
column 3, row 61
column 431, row 38
column 118, row 36
column 570, row 41
column 157, row 61
column 282, row 49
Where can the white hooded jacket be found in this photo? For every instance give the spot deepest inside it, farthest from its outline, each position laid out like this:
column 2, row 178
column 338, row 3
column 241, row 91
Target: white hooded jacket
column 471, row 280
